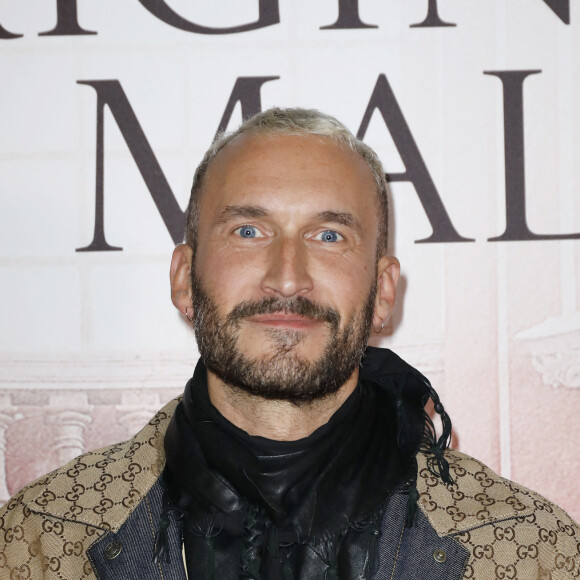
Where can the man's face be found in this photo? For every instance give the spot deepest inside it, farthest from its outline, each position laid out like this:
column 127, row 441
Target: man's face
column 285, row 269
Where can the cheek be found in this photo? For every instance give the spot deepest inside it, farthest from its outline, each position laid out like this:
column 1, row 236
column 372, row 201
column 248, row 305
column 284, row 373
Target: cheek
column 347, row 284
column 227, row 277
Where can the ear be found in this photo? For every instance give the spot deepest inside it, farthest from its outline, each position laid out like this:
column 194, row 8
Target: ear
column 180, row 278
column 388, row 270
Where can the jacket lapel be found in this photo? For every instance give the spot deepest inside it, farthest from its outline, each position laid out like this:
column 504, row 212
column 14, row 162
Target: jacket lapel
column 128, row 553
column 416, row 552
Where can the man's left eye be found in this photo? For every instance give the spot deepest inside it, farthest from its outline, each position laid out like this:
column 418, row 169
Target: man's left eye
column 329, row 236
column 249, row 232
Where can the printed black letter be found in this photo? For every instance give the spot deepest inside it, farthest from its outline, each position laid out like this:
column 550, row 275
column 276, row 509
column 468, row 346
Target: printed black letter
column 515, row 181
column 416, row 171
column 8, row 35
column 67, row 23
column 561, row 9
column 268, row 11
column 246, row 91
column 348, row 17
column 432, row 19
column 111, row 93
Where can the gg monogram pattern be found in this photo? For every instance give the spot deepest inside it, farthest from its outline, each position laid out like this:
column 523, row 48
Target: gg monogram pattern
column 46, row 529
column 510, row 531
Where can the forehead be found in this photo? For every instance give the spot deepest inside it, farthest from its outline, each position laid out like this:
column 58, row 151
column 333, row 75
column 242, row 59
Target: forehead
column 285, row 166
column 289, row 169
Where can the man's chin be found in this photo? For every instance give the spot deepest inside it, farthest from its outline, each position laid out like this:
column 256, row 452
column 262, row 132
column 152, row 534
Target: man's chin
column 297, row 369
column 283, row 379
column 285, row 344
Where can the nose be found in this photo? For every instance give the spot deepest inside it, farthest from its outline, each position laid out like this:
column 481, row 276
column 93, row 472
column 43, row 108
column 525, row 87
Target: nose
column 287, row 270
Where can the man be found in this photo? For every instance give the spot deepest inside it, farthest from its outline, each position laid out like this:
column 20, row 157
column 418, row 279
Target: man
column 287, row 457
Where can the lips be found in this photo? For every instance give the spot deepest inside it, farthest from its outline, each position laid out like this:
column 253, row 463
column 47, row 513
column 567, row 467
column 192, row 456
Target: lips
column 284, row 319
column 299, row 311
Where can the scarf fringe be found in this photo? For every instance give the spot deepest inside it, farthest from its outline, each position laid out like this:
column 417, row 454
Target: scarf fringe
column 161, row 542
column 416, row 432
column 437, row 464
column 372, row 528
column 161, row 549
column 328, row 552
column 254, row 525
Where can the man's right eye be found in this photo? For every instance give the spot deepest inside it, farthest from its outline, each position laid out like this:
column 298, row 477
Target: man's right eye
column 248, row 232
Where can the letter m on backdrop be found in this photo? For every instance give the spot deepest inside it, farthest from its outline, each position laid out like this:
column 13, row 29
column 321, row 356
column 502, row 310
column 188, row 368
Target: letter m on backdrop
column 110, row 93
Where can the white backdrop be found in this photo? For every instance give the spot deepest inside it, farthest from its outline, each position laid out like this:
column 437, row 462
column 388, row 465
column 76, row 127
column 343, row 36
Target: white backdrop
column 90, row 345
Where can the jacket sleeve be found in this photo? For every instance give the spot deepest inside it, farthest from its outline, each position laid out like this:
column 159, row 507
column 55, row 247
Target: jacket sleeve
column 543, row 544
column 558, row 539
column 510, row 532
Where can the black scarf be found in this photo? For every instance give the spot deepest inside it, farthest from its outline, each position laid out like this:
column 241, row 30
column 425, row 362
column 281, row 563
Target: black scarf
column 255, row 508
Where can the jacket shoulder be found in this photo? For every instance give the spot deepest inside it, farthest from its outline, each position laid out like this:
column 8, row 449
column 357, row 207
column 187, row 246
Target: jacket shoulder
column 511, row 531
column 100, row 488
column 47, row 527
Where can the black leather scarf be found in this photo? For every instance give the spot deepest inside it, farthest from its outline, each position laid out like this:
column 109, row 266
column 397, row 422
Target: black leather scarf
column 308, row 509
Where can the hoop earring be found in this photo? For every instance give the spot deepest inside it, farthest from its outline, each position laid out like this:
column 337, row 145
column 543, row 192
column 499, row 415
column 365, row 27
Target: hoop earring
column 381, row 328
column 187, row 314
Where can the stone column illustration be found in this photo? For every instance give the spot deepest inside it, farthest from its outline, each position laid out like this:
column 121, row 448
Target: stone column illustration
column 69, row 415
column 136, row 410
column 555, row 348
column 7, row 416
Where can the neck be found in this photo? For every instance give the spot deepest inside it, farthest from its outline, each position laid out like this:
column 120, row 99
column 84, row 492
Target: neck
column 275, row 419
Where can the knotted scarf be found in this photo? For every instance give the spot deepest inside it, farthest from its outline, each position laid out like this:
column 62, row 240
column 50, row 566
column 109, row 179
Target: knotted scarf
column 309, row 509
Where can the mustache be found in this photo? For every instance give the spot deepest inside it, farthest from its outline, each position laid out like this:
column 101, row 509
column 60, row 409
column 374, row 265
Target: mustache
column 297, row 305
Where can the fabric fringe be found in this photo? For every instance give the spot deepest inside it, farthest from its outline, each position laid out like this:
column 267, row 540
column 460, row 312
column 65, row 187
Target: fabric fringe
column 205, row 529
column 416, row 431
column 372, row 528
column 161, row 550
column 411, row 506
column 437, row 446
column 161, row 543
column 328, row 553
column 251, row 562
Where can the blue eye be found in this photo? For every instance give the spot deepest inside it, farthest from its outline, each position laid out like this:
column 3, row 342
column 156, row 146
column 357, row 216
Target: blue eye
column 247, row 232
column 330, row 236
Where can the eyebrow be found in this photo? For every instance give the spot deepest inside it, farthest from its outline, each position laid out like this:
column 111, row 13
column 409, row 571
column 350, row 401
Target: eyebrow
column 340, row 217
column 244, row 211
column 255, row 211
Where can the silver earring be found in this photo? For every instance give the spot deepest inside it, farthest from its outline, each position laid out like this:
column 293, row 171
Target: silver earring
column 187, row 315
column 381, row 328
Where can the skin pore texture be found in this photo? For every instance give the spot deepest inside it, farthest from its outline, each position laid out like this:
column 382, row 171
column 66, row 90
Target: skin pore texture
column 286, row 274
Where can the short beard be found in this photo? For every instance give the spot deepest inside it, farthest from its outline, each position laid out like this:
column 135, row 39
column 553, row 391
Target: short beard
column 282, row 374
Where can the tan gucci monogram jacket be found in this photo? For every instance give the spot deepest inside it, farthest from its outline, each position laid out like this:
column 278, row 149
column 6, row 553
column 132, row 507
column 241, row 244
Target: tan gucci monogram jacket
column 502, row 530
